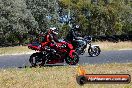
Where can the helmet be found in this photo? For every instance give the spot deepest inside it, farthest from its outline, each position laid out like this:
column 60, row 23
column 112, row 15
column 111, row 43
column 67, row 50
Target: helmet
column 76, row 27
column 54, row 30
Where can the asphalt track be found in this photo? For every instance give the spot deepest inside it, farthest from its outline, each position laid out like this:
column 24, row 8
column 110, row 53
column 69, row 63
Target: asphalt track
column 122, row 56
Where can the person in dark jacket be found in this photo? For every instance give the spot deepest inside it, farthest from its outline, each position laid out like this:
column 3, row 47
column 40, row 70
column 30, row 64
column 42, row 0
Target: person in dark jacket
column 73, row 33
column 75, row 37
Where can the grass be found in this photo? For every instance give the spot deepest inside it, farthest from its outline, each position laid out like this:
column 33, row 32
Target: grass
column 114, row 46
column 15, row 50
column 103, row 45
column 60, row 76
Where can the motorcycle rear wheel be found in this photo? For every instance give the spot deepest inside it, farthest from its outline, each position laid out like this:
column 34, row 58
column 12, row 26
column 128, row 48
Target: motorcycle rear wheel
column 72, row 61
column 36, row 59
column 94, row 51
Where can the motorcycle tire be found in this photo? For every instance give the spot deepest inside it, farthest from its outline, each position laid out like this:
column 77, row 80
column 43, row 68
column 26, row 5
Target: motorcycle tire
column 72, row 61
column 36, row 59
column 93, row 52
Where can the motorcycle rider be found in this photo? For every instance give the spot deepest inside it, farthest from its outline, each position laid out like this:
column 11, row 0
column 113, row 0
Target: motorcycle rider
column 50, row 37
column 74, row 35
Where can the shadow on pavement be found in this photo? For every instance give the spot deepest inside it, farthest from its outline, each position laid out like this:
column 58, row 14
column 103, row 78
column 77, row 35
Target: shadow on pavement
column 42, row 66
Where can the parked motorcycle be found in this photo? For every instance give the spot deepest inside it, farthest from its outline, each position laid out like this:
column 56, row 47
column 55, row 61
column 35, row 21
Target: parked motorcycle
column 53, row 54
column 93, row 50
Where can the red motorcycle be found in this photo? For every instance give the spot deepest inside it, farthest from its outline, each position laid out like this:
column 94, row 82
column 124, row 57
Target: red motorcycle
column 53, row 54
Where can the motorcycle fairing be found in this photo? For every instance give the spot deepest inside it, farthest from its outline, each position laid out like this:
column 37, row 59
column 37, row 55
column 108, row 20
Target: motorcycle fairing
column 71, row 54
column 34, row 46
column 70, row 46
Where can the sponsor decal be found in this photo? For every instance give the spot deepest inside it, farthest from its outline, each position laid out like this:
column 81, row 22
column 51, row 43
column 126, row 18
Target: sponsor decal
column 84, row 78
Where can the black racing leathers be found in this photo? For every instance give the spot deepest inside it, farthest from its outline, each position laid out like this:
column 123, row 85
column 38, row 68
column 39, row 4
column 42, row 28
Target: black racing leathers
column 71, row 35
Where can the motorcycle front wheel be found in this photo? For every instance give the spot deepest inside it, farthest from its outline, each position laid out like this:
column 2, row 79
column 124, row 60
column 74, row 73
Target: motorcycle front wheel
column 36, row 59
column 74, row 60
column 94, row 51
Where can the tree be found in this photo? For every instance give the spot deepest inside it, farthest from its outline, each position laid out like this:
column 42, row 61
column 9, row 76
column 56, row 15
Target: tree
column 106, row 17
column 15, row 17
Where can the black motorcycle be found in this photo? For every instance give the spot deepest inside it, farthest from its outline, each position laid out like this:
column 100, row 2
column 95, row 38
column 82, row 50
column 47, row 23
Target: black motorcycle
column 81, row 44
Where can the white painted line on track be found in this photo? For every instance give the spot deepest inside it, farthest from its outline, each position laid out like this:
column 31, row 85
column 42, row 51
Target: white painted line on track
column 126, row 49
